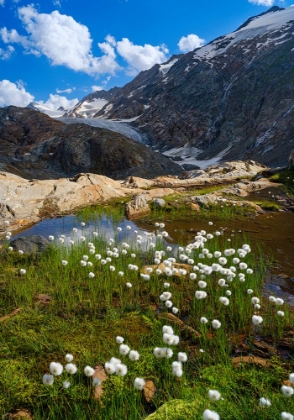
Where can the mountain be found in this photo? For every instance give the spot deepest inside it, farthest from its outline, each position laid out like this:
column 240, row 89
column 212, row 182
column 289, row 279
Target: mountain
column 33, row 145
column 230, row 99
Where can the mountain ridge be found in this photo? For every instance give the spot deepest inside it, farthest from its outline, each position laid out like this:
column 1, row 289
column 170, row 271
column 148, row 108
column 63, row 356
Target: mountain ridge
column 234, row 94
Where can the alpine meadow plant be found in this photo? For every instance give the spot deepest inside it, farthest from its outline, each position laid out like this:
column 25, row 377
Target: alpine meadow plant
column 175, row 315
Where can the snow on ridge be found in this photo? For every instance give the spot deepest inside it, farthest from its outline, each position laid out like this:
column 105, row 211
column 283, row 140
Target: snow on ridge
column 116, row 126
column 164, row 68
column 258, row 26
column 89, row 108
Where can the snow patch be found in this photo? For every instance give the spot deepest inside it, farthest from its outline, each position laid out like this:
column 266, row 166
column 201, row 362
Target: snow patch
column 164, row 68
column 89, row 108
column 116, row 126
column 189, row 155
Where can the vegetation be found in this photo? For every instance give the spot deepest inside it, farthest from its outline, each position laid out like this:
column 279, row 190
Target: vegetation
column 287, row 179
column 81, row 299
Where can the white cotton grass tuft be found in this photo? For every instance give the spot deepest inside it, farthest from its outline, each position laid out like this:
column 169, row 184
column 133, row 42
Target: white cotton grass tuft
column 291, row 378
column 71, row 368
column 139, row 383
column 257, row 320
column 124, row 349
column 210, row 415
column 167, row 329
column 121, row 369
column 110, row 368
column 119, row 339
column 200, row 294
column 134, row 355
column 203, row 320
column 264, row 402
column 89, row 371
column 182, row 357
column 216, row 324
column 66, row 384
column 224, row 300
column 287, row 390
column 56, row 368
column 22, row 271
column 287, row 416
column 214, row 395
column 48, row 379
column 69, row 357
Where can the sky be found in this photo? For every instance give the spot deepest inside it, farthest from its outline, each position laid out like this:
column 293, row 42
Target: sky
column 56, row 52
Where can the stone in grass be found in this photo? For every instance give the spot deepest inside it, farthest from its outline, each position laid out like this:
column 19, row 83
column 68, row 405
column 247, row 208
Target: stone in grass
column 177, row 410
column 149, row 391
column 159, row 202
column 100, row 375
column 30, row 244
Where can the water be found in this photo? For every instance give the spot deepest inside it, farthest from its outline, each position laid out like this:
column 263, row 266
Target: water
column 271, row 233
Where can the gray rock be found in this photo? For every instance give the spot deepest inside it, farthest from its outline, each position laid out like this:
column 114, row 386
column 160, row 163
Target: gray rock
column 30, row 244
column 159, row 202
column 205, row 200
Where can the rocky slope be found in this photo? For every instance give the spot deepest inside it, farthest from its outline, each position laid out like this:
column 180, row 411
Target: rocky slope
column 24, row 202
column 35, row 146
column 234, row 96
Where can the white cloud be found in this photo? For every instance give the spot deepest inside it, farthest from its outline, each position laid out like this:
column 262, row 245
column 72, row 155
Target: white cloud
column 69, row 90
column 62, row 40
column 190, row 42
column 2, row 2
column 262, row 2
column 5, row 54
column 14, row 94
column 56, row 101
column 97, row 88
column 13, row 37
column 141, row 57
column 111, row 40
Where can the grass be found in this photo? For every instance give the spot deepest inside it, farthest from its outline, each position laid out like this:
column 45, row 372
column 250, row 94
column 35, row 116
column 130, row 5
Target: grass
column 85, row 314
column 287, row 179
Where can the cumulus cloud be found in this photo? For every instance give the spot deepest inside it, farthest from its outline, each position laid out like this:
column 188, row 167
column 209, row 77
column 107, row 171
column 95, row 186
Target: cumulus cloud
column 2, row 2
column 13, row 37
column 141, row 57
column 190, row 42
column 96, row 88
column 262, row 2
column 69, row 90
column 14, row 94
column 62, row 40
column 56, row 101
column 5, row 54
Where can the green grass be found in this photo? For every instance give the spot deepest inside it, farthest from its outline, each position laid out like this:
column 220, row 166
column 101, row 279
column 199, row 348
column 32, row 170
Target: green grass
column 86, row 314
column 287, row 179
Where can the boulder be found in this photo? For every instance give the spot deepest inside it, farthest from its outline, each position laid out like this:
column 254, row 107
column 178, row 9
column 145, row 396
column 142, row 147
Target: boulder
column 30, row 244
column 159, row 202
column 137, row 207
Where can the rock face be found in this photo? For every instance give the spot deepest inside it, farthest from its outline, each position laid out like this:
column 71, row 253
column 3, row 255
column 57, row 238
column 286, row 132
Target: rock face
column 231, row 98
column 24, row 202
column 35, row 146
column 30, row 244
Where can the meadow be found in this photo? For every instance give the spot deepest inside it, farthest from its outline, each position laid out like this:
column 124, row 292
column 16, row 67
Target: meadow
column 132, row 327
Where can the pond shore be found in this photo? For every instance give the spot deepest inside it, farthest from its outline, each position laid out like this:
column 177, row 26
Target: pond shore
column 26, row 202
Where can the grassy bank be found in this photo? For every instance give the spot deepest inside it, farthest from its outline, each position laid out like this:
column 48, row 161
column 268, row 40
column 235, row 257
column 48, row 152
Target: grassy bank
column 78, row 299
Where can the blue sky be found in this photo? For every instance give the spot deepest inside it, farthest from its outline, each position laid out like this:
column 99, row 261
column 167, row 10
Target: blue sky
column 58, row 51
